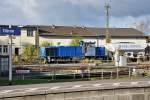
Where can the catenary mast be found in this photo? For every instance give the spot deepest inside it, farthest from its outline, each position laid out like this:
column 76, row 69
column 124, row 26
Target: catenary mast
column 107, row 11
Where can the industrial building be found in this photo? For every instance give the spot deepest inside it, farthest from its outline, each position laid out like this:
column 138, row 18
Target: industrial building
column 62, row 35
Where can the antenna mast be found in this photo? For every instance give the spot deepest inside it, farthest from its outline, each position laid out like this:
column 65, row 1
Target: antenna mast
column 108, row 35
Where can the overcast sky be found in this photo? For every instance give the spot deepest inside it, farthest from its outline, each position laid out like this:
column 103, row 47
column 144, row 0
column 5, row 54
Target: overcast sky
column 124, row 13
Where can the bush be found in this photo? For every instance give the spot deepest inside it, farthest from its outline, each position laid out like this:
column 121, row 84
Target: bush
column 75, row 42
column 15, row 59
column 46, row 43
column 85, row 61
column 98, row 61
column 30, row 53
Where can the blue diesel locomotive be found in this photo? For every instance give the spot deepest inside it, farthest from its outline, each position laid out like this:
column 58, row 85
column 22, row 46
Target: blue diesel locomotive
column 70, row 53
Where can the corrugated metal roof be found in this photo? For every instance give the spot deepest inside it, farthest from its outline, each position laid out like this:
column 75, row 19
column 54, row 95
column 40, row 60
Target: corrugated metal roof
column 87, row 31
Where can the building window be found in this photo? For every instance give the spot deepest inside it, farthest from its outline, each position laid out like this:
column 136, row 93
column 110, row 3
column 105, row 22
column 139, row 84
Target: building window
column 4, row 64
column 0, row 48
column 30, row 33
column 5, row 49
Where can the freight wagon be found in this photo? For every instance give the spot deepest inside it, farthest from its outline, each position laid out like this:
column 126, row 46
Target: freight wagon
column 54, row 54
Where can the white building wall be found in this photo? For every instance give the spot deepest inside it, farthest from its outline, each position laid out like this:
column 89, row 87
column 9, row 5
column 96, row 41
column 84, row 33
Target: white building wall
column 19, row 41
column 98, row 42
column 27, row 39
column 4, row 39
column 133, row 40
column 55, row 41
column 65, row 41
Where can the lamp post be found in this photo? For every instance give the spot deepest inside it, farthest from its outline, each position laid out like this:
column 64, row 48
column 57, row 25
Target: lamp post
column 10, row 60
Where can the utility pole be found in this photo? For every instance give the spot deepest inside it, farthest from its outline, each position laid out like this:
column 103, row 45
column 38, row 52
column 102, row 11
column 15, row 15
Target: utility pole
column 107, row 8
column 108, row 36
column 37, row 41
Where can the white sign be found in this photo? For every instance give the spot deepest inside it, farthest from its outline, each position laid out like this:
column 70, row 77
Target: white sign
column 125, row 46
column 131, row 47
column 22, row 71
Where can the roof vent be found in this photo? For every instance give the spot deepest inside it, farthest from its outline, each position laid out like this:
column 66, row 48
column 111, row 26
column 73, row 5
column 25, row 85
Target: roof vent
column 74, row 26
column 83, row 27
column 53, row 26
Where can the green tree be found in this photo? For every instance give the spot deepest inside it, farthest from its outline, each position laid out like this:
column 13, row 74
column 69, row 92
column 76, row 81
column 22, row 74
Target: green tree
column 15, row 59
column 75, row 42
column 46, row 43
column 29, row 53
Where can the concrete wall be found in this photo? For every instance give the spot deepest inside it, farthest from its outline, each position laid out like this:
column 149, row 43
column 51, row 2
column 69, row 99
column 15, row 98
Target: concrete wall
column 113, row 94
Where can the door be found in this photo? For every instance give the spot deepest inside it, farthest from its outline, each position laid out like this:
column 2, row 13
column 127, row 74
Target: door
column 16, row 51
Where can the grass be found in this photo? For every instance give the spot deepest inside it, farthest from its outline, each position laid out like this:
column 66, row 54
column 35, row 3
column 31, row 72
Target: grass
column 23, row 82
column 5, row 82
column 114, row 78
